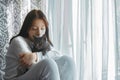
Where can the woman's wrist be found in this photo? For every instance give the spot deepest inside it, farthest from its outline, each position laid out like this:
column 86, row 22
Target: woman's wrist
column 35, row 57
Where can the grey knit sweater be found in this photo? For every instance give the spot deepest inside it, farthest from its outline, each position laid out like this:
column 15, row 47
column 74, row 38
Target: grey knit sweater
column 22, row 45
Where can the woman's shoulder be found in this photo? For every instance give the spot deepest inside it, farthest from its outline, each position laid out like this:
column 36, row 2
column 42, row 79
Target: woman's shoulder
column 18, row 40
column 20, row 44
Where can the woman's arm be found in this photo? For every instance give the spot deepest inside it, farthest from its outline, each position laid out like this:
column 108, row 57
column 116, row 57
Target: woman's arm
column 27, row 59
column 22, row 51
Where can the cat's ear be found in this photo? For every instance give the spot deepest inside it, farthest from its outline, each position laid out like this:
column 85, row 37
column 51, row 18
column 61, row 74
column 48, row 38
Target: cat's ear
column 44, row 37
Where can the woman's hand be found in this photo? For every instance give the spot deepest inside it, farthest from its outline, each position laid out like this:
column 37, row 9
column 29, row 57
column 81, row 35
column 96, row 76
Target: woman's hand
column 27, row 59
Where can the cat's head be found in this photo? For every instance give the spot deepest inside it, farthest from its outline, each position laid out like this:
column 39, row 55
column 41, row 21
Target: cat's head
column 39, row 42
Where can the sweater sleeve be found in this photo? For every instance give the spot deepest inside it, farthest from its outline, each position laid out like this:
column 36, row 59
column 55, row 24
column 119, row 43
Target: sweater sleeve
column 13, row 68
column 39, row 55
column 19, row 45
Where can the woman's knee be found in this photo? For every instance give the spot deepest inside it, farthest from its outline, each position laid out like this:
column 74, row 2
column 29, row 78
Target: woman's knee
column 50, row 63
column 45, row 69
column 67, row 60
column 68, row 67
column 68, row 63
column 50, row 68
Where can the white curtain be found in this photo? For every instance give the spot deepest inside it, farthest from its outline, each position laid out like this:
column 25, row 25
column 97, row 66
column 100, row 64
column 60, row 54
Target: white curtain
column 118, row 38
column 96, row 46
column 60, row 19
column 85, row 30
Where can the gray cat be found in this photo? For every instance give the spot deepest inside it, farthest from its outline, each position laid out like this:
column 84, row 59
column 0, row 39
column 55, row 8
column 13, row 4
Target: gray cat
column 40, row 44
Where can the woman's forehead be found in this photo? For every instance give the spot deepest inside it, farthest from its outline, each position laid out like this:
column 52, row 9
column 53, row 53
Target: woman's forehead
column 38, row 22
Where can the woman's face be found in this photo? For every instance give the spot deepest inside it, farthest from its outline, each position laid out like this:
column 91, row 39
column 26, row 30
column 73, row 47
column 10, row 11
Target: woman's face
column 37, row 29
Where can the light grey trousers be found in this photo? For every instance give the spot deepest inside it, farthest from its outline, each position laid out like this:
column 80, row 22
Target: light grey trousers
column 62, row 68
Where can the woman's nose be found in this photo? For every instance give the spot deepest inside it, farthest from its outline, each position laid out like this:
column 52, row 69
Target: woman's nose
column 38, row 32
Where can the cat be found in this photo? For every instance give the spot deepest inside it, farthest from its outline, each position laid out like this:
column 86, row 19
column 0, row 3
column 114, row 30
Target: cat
column 40, row 44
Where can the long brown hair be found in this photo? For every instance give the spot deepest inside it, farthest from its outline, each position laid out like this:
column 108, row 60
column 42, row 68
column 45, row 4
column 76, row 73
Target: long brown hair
column 32, row 15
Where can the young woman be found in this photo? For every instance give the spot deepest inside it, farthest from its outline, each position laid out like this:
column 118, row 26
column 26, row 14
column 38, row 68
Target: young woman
column 31, row 55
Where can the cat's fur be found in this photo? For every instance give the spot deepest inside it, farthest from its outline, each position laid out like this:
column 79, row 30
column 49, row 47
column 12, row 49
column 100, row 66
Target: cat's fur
column 41, row 44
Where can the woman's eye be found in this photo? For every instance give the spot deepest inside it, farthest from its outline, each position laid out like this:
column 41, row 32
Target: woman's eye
column 34, row 28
